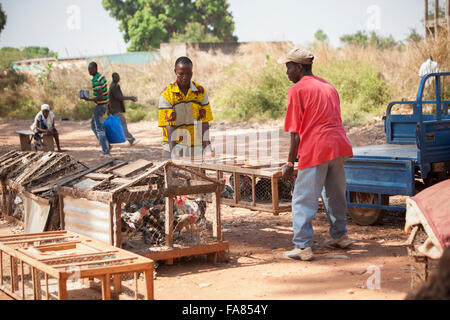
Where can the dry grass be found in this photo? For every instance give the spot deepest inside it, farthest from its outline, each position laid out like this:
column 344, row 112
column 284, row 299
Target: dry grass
column 397, row 68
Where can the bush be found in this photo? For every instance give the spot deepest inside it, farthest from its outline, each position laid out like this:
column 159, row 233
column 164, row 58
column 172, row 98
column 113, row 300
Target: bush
column 262, row 96
column 83, row 111
column 136, row 112
column 21, row 109
column 362, row 90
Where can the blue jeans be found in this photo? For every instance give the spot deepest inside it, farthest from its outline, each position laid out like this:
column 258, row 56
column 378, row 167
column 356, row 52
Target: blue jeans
column 98, row 128
column 329, row 179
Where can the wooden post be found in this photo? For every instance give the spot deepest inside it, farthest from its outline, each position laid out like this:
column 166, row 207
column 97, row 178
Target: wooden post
column 253, row 190
column 62, row 289
column 9, row 211
column 33, row 280
column 169, row 222
column 118, row 224
column 106, row 289
column 1, row 268
column 47, row 293
column 23, row 280
column 4, row 199
column 217, row 221
column 14, row 274
column 237, row 188
column 61, row 210
column 136, row 288
column 117, row 282
column 38, row 284
column 426, row 20
column 447, row 13
column 148, row 276
column 275, row 203
column 436, row 20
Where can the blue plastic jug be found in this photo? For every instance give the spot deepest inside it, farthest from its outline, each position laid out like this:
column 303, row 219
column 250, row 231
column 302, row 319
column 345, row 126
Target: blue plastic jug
column 114, row 130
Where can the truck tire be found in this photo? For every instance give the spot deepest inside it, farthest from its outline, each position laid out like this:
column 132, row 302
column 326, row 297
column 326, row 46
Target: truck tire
column 367, row 216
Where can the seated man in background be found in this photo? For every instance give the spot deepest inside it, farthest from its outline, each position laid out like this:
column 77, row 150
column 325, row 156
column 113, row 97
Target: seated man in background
column 184, row 114
column 44, row 124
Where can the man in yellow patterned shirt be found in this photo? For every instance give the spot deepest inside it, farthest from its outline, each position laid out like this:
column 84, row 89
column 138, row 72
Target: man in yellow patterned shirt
column 184, row 114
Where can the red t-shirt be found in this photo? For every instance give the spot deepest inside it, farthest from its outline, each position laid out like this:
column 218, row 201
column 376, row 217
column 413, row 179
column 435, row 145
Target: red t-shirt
column 314, row 112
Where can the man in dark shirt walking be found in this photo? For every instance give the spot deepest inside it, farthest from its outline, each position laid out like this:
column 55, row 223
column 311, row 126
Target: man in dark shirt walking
column 117, row 106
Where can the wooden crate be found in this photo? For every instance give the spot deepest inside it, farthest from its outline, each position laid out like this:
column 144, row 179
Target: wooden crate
column 220, row 167
column 96, row 211
column 62, row 256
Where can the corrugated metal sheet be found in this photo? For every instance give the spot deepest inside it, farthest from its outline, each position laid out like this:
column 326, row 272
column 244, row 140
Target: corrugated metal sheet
column 88, row 218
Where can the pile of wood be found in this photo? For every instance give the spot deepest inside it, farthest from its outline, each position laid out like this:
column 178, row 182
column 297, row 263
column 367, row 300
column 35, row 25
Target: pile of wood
column 35, row 176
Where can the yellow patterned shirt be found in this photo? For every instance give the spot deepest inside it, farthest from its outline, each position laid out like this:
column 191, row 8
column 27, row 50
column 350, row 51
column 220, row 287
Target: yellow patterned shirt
column 185, row 112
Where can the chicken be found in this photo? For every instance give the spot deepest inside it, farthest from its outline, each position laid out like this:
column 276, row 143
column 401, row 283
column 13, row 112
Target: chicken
column 245, row 186
column 188, row 214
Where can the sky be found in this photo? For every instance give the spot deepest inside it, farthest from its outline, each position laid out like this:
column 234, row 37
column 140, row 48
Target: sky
column 84, row 28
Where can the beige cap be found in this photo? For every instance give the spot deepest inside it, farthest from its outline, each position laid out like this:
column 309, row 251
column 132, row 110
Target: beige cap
column 45, row 107
column 297, row 55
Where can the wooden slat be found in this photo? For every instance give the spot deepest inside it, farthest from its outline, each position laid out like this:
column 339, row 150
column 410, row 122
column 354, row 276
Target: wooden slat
column 120, row 181
column 186, row 252
column 138, row 179
column 132, row 168
column 99, row 176
column 117, row 166
column 87, row 263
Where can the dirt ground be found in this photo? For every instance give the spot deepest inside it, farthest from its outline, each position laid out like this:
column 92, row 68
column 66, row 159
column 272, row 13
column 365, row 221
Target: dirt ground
column 257, row 269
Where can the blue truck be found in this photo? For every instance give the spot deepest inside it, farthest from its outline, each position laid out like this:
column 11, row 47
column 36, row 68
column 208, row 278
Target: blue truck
column 416, row 156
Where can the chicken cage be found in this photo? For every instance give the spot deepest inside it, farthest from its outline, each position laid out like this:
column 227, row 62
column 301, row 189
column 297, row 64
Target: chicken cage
column 257, row 187
column 147, row 209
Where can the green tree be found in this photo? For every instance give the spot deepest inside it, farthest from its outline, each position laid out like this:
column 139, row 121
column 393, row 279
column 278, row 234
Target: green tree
column 2, row 19
column 320, row 36
column 414, row 36
column 361, row 38
column 10, row 54
column 195, row 32
column 145, row 24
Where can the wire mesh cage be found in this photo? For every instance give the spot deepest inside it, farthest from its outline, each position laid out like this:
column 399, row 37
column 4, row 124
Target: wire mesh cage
column 158, row 211
column 256, row 187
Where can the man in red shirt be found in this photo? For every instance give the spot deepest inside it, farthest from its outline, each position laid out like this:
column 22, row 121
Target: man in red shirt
column 319, row 140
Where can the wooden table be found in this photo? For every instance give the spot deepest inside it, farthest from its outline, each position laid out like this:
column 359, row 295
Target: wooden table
column 64, row 255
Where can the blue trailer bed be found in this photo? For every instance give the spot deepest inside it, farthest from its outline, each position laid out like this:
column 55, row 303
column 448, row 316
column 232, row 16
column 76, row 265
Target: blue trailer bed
column 417, row 155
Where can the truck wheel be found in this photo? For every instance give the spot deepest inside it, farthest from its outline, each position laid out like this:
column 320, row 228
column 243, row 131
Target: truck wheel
column 367, row 216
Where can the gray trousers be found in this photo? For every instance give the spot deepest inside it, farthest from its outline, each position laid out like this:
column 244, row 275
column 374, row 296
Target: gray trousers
column 128, row 135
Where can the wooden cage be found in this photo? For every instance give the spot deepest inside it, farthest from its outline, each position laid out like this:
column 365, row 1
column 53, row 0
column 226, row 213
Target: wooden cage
column 32, row 265
column 94, row 206
column 272, row 196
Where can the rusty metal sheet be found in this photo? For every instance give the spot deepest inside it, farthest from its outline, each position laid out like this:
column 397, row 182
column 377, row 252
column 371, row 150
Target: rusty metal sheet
column 88, row 218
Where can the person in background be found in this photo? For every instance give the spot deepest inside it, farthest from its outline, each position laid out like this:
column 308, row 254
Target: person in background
column 184, row 114
column 116, row 105
column 428, row 66
column 100, row 89
column 318, row 138
column 44, row 124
